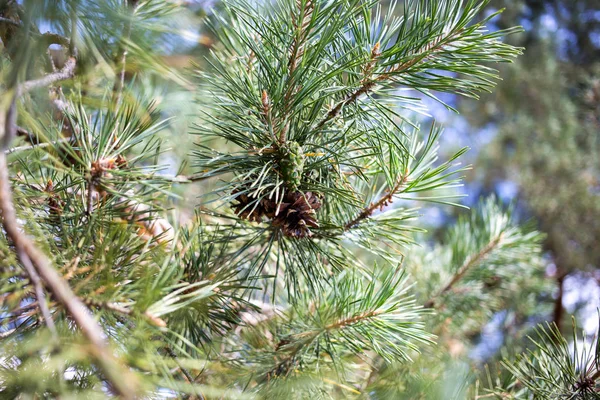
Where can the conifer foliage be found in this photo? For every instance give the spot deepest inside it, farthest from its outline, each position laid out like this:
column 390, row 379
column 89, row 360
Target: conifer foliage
column 299, row 275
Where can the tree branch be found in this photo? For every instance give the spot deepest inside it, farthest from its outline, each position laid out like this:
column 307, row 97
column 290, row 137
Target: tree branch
column 301, row 23
column 384, row 201
column 368, row 84
column 557, row 314
column 67, row 71
column 30, row 256
column 307, row 337
column 39, row 290
column 9, row 21
column 465, row 267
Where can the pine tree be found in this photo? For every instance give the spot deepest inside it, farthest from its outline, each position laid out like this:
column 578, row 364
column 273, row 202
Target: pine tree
column 301, row 273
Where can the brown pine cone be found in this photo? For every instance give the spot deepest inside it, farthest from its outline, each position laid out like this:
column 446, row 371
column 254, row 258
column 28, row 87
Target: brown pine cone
column 297, row 214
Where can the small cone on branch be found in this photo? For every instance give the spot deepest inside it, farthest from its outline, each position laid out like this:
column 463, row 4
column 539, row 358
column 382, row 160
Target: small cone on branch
column 295, row 215
column 246, row 208
column 291, row 165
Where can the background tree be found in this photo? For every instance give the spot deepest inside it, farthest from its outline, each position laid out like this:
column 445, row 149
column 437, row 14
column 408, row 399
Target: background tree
column 546, row 112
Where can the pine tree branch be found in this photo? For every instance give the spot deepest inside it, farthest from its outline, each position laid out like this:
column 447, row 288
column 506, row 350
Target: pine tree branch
column 368, row 84
column 36, row 146
column 342, row 323
column 31, row 256
column 188, row 376
column 469, row 263
column 382, row 202
column 66, row 72
column 301, row 24
column 10, row 22
column 39, row 289
column 303, row 339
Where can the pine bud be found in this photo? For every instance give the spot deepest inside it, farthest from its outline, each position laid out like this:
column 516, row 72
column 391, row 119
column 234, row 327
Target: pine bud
column 292, row 164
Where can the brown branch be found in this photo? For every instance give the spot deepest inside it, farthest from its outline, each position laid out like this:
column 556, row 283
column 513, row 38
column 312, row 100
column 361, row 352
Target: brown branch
column 24, row 308
column 28, row 253
column 186, row 374
column 557, row 314
column 368, row 84
column 89, row 207
column 30, row 137
column 66, row 72
column 10, row 22
column 379, row 204
column 307, row 337
column 469, row 263
column 39, row 291
column 340, row 324
column 352, row 320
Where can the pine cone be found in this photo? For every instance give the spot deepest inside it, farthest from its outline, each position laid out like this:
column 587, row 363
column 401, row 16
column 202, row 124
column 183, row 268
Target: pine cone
column 297, row 214
column 245, row 208
column 291, row 165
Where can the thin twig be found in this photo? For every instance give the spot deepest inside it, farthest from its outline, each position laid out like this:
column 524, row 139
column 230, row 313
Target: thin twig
column 66, row 72
column 308, row 337
column 152, row 319
column 469, row 263
column 176, row 178
column 368, row 84
column 21, row 310
column 39, row 291
column 31, row 138
column 5, row 334
column 10, row 21
column 120, row 83
column 342, row 323
column 89, row 197
column 36, row 146
column 188, row 376
column 379, row 204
